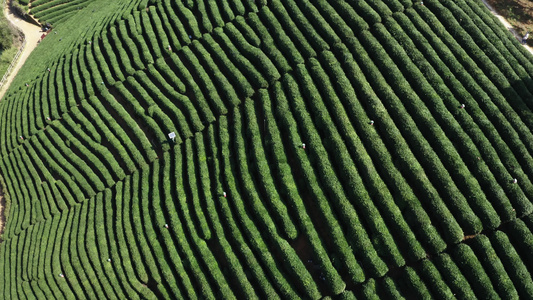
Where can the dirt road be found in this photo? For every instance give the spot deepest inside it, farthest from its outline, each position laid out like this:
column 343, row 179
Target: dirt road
column 506, row 24
column 32, row 33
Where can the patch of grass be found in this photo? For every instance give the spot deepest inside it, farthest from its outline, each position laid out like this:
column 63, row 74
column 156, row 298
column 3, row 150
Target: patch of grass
column 6, row 57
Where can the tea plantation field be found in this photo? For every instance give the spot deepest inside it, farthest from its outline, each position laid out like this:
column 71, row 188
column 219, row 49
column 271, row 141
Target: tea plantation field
column 341, row 149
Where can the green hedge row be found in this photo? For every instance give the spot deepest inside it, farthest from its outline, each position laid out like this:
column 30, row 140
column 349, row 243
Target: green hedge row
column 163, row 272
column 510, row 85
column 199, row 244
column 99, row 157
column 60, row 90
column 433, row 279
column 131, row 241
column 130, row 27
column 164, row 77
column 81, row 88
column 427, row 140
column 40, row 6
column 278, row 247
column 254, row 54
column 236, row 269
column 123, row 252
column 170, row 78
column 121, row 145
column 322, row 103
column 160, row 31
column 497, row 52
column 519, row 232
column 492, row 30
column 104, row 53
column 146, row 108
column 154, row 128
column 325, row 170
column 193, row 194
column 249, row 69
column 453, row 277
column 469, row 127
column 376, row 185
column 493, row 266
column 258, row 219
column 473, row 271
column 390, row 82
column 495, row 106
column 69, row 88
column 132, row 131
column 412, row 284
column 112, row 43
column 286, row 35
column 124, row 35
column 228, row 68
column 141, row 229
column 214, row 96
column 288, row 189
column 177, row 24
column 258, row 35
column 175, row 118
column 205, row 113
column 447, row 150
column 266, row 188
column 178, row 262
column 514, row 266
column 340, row 245
column 392, row 140
column 301, row 20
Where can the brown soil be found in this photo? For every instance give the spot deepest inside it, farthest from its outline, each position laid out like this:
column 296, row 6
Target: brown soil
column 519, row 13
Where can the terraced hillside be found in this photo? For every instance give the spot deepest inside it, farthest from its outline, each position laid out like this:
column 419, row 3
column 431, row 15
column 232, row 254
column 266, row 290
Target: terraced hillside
column 322, row 150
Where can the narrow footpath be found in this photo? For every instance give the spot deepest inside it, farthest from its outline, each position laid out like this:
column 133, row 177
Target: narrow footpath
column 32, row 33
column 506, row 24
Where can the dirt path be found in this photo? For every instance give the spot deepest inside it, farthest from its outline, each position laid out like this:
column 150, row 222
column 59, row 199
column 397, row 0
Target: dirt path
column 32, row 33
column 506, row 24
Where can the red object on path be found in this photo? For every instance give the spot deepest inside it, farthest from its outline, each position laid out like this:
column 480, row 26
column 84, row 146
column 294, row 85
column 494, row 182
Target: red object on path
column 224, row 194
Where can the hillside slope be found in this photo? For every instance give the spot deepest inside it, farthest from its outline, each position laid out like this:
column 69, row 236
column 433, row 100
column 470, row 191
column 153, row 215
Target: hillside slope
column 344, row 149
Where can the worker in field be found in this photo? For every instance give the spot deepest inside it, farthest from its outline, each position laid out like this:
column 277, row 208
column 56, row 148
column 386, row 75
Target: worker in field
column 524, row 39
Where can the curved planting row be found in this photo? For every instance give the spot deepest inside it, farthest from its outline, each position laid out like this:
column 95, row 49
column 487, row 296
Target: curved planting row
column 360, row 149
